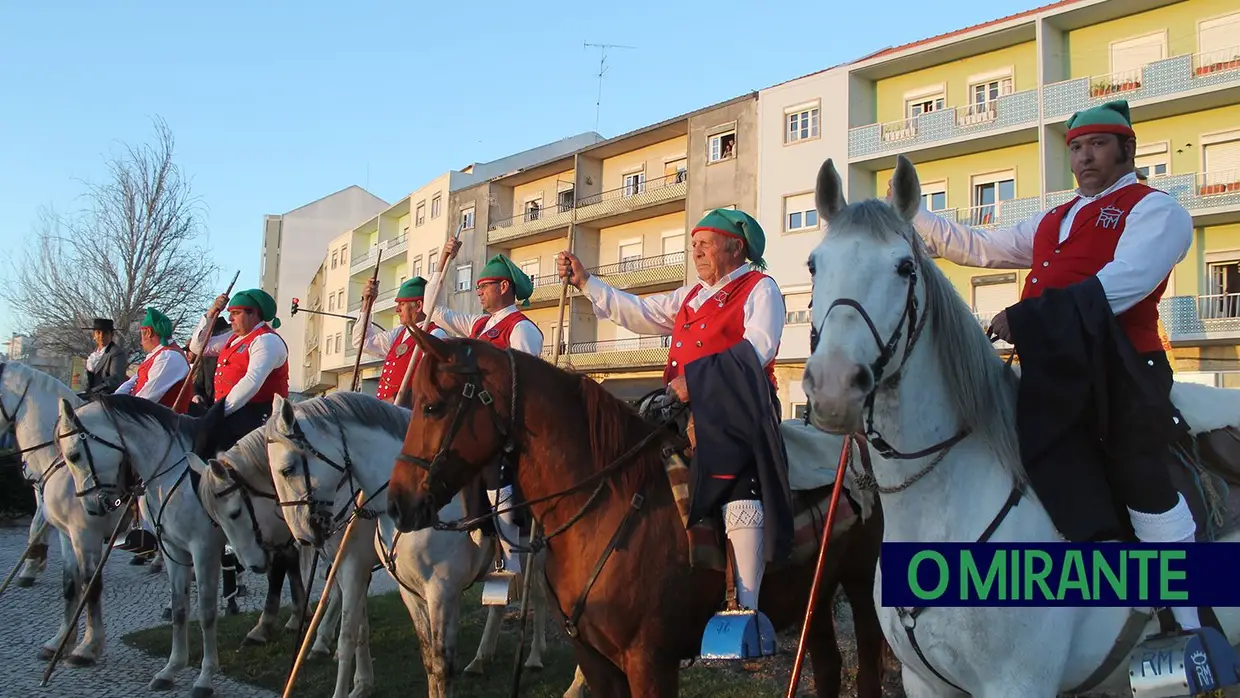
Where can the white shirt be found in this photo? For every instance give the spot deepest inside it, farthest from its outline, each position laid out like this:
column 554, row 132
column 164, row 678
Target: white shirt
column 166, row 369
column 95, row 360
column 267, row 352
column 525, row 335
column 656, row 314
column 1157, row 235
column 378, row 343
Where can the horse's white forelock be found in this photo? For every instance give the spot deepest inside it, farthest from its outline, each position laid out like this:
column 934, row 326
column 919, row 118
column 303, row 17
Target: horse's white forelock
column 980, row 386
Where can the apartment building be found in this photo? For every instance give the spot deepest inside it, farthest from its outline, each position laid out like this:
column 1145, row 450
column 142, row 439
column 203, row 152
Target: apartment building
column 292, row 249
column 403, row 241
column 624, row 205
column 980, row 111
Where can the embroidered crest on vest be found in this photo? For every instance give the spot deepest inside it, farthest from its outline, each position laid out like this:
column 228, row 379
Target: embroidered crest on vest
column 1109, row 217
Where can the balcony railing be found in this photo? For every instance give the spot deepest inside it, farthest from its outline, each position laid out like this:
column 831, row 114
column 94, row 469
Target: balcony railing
column 631, row 273
column 635, row 352
column 1196, row 191
column 392, row 249
column 1002, row 213
column 1210, row 316
column 627, row 198
column 1164, row 78
column 930, row 128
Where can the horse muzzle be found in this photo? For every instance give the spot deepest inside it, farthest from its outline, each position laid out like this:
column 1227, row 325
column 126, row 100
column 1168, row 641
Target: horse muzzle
column 412, row 513
column 837, row 388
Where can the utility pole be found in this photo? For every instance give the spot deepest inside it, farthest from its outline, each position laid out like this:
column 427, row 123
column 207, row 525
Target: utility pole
column 602, row 68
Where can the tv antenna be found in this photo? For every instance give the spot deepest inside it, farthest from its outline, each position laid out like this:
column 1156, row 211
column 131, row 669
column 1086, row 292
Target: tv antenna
column 602, row 68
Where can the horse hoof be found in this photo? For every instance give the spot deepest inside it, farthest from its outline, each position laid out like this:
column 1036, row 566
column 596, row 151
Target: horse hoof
column 319, row 654
column 535, row 667
column 202, row 692
column 252, row 642
column 25, row 582
column 474, row 668
column 77, row 660
column 161, row 685
column 45, row 654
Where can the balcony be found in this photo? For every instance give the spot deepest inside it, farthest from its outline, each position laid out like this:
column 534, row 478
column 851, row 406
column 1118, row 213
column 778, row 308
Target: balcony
column 616, row 354
column 528, row 223
column 633, row 197
column 1171, row 77
column 1214, row 194
column 644, row 272
column 1001, row 214
column 1201, row 318
column 945, row 127
column 393, row 250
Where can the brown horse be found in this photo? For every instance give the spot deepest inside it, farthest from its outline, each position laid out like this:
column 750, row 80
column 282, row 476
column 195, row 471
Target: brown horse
column 580, row 456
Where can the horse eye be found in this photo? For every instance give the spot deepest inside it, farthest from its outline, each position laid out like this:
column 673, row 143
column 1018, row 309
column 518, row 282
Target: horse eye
column 905, row 267
column 235, row 515
column 432, row 409
column 286, row 472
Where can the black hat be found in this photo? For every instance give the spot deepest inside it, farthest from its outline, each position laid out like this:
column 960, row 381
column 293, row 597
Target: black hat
column 102, row 324
column 221, row 326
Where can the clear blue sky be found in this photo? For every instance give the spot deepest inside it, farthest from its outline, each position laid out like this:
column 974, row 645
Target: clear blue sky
column 275, row 104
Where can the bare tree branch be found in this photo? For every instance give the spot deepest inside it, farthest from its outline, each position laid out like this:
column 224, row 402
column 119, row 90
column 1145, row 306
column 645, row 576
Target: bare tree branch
column 139, row 242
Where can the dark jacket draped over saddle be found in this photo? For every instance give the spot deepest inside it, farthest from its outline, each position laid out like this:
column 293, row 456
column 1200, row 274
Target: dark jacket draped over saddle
column 736, row 418
column 1088, row 403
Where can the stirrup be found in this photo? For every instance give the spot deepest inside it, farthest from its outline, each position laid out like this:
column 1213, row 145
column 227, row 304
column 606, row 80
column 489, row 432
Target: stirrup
column 743, row 633
column 1182, row 663
column 497, row 587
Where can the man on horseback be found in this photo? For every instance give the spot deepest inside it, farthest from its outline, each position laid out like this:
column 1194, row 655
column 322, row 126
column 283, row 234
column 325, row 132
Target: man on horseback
column 396, row 345
column 1127, row 237
column 500, row 285
column 106, row 365
column 724, row 328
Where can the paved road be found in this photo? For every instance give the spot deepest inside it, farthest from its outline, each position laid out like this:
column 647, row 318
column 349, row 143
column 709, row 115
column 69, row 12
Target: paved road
column 133, row 598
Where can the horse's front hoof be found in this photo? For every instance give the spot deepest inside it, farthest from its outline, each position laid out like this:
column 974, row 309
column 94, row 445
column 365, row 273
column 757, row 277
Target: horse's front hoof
column 25, row 582
column 317, row 655
column 202, row 692
column 252, row 641
column 77, row 660
column 158, row 684
column 46, row 654
column 475, row 668
column 535, row 667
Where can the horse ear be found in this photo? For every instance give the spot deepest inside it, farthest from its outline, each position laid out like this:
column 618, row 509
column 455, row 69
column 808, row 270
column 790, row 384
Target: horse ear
column 195, row 463
column 218, row 469
column 905, row 189
column 282, row 410
column 66, row 411
column 829, row 191
column 431, row 344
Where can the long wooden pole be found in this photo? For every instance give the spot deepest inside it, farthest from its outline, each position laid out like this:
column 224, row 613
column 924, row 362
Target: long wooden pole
column 403, row 396
column 21, row 560
column 322, row 605
column 357, row 362
column 187, row 387
column 845, row 452
column 94, row 581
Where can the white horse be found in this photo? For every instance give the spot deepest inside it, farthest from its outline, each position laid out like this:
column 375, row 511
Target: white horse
column 951, row 378
column 322, row 452
column 41, row 532
column 240, row 499
column 30, row 400
column 118, row 441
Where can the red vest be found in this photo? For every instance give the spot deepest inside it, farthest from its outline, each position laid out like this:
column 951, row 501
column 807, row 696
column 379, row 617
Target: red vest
column 144, row 372
column 717, row 326
column 499, row 334
column 1089, row 247
column 234, row 360
column 397, row 362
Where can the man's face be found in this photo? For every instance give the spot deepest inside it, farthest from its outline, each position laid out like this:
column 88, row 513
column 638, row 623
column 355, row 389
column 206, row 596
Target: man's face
column 410, row 312
column 714, row 255
column 242, row 320
column 1099, row 159
column 491, row 294
column 101, row 338
column 148, row 339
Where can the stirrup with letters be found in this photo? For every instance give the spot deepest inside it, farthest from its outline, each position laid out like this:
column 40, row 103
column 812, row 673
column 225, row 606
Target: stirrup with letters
column 736, row 632
column 1182, row 663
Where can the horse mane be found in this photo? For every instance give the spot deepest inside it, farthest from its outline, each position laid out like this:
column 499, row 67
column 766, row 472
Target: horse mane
column 616, row 427
column 248, row 455
column 137, row 409
column 43, row 380
column 981, row 387
column 321, row 412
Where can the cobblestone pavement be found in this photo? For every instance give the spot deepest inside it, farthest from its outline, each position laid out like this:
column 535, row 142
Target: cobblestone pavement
column 133, row 598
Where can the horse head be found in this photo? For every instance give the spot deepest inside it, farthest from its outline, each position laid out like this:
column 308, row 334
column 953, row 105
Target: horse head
column 96, row 455
column 235, row 492
column 868, row 304
column 460, row 423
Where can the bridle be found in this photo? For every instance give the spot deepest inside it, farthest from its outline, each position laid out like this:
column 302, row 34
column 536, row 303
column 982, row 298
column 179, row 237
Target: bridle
column 10, row 420
column 238, row 483
column 109, row 496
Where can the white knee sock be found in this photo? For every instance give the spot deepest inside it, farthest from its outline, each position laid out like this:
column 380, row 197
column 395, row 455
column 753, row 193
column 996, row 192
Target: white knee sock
column 1174, row 526
column 743, row 523
column 506, row 523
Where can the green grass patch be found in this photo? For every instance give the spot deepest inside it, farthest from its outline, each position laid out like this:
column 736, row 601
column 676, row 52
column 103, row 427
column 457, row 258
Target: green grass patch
column 398, row 659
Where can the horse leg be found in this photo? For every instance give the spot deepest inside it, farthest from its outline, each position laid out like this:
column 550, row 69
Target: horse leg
column 364, row 671
column 578, row 689
column 538, row 599
column 297, row 590
column 604, row 679
column 36, row 561
column 858, row 583
column 650, row 675
column 353, row 607
column 445, row 616
column 421, row 618
column 178, row 580
column 207, row 561
column 823, row 647
column 91, row 647
column 490, row 637
column 71, row 584
column 330, row 623
column 261, row 633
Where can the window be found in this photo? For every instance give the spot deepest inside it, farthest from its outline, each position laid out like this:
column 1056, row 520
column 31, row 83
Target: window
column 327, row 347
column 675, row 171
column 984, row 94
column 436, row 204
column 335, row 255
column 420, row 218
column 924, row 100
column 934, row 196
column 1128, row 57
column 433, row 262
column 630, row 254
column 532, row 209
column 1223, row 299
column 565, row 200
column 1218, row 47
column 992, row 294
column 1152, row 159
column 988, row 193
column 331, row 301
column 344, row 254
column 467, row 218
column 464, row 277
column 796, row 308
column 634, row 184
column 673, row 243
column 1221, row 162
column 800, row 410
column 339, row 339
column 799, row 213
column 416, row 270
column 802, row 124
column 531, row 267
column 721, row 146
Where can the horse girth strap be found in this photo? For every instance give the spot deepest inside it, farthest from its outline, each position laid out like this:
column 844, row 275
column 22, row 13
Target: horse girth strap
column 579, row 607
